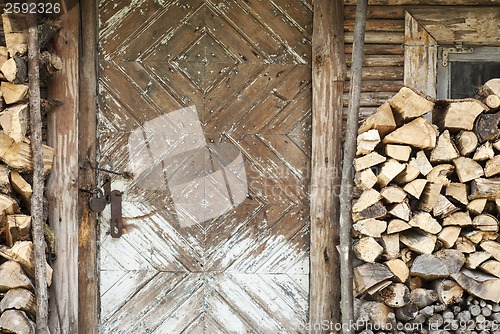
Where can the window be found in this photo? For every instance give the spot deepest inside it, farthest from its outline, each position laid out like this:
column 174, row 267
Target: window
column 466, row 72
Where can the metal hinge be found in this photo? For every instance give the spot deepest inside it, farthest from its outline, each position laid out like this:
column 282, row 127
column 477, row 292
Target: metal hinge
column 457, row 49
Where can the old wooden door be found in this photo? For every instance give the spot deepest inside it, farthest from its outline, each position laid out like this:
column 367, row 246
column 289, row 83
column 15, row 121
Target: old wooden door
column 207, row 103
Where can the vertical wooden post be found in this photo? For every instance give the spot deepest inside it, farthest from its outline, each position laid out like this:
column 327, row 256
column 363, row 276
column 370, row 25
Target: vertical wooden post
column 328, row 73
column 346, row 188
column 87, row 236
column 62, row 185
column 41, row 291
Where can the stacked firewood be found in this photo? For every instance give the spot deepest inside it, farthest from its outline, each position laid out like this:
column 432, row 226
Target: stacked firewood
column 17, row 272
column 426, row 229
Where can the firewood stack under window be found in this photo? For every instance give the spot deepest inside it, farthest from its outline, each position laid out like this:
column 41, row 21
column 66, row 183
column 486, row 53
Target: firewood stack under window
column 426, row 215
column 17, row 299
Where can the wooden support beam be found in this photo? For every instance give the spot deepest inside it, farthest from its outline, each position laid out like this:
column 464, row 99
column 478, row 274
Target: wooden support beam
column 62, row 186
column 328, row 73
column 88, row 306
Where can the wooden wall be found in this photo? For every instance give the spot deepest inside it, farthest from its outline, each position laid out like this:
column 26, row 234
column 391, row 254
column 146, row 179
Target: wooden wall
column 383, row 70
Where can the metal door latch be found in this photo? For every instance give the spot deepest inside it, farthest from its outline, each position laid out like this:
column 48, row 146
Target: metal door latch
column 100, row 199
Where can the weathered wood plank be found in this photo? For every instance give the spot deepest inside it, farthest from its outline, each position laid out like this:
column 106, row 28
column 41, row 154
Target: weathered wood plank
column 376, row 12
column 378, row 25
column 463, row 24
column 62, row 185
column 420, row 58
column 328, row 80
column 88, row 297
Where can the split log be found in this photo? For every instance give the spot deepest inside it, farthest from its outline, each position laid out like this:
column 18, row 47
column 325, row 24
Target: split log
column 409, row 174
column 425, row 222
column 49, row 64
column 395, row 295
column 397, row 225
column 485, row 222
column 484, row 152
column 467, row 169
column 13, row 93
column 458, row 219
column 367, row 249
column 415, row 187
column 369, row 274
column 465, row 245
column 365, row 179
column 16, row 34
column 382, row 120
column 12, row 276
column 401, row 210
column 466, row 142
column 4, row 55
column 367, row 199
column 443, row 207
column 475, row 259
column 398, row 152
column 430, row 196
column 492, row 247
column 8, row 205
column 419, row 133
column 487, row 127
column 477, row 236
column 418, row 241
column 421, row 163
column 18, row 229
column 391, row 245
column 377, row 210
column 367, row 141
column 407, row 312
column 15, row 69
column 485, row 188
column 378, row 287
column 457, row 191
column 369, row 227
column 439, row 174
column 438, row 265
column 22, row 252
column 408, row 104
column 18, row 155
column 14, row 121
column 477, row 206
column 399, row 269
column 457, row 114
column 390, row 169
column 445, row 149
column 21, row 187
column 492, row 167
column 393, row 194
column 448, row 291
column 449, row 235
column 14, row 321
column 368, row 161
column 19, row 299
column 491, row 267
column 486, row 289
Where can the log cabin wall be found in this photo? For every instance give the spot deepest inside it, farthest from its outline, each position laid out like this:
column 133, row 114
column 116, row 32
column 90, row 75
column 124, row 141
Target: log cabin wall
column 383, row 66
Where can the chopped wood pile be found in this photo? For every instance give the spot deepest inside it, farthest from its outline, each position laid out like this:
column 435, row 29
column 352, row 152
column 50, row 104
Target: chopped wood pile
column 426, row 229
column 17, row 268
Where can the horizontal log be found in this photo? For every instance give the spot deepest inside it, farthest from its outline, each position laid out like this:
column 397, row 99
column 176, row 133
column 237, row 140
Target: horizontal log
column 379, row 60
column 370, row 98
column 372, row 37
column 377, row 12
column 377, row 25
column 378, row 49
column 387, row 73
column 377, row 86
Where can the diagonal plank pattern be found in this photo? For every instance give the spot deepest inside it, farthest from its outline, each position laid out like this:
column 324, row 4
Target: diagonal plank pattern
column 245, row 67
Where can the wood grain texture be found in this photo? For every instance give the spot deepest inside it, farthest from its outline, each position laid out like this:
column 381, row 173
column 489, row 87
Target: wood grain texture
column 429, row 2
column 62, row 185
column 88, row 297
column 328, row 81
column 245, row 66
column 420, row 65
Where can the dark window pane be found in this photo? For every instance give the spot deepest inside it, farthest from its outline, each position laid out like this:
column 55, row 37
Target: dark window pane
column 467, row 77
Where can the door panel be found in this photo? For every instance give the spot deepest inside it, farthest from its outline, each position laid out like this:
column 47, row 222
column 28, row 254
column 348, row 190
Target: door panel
column 207, row 103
